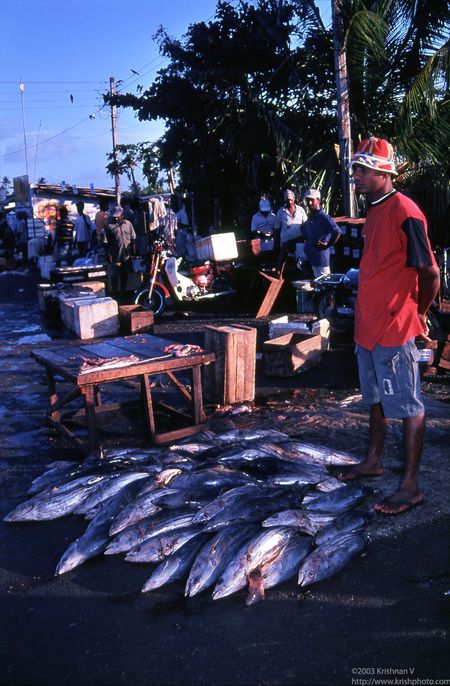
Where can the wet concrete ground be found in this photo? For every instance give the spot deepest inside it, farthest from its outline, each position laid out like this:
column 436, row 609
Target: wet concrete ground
column 385, row 616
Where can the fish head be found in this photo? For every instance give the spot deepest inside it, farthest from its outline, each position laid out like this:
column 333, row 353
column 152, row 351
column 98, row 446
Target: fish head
column 255, row 580
column 192, row 585
column 306, row 575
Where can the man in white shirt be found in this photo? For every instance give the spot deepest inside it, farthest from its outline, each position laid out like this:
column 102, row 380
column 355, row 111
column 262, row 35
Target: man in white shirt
column 288, row 225
column 83, row 230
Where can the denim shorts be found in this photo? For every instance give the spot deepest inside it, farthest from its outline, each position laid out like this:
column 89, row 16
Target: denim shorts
column 390, row 375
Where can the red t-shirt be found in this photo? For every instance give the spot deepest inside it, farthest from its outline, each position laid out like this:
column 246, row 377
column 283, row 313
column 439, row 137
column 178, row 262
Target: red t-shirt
column 396, row 244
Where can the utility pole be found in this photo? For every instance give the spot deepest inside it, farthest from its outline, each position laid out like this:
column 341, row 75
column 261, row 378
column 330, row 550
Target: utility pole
column 21, row 89
column 343, row 106
column 112, row 90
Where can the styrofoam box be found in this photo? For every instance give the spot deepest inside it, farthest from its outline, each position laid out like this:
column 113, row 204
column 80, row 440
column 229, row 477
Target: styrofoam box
column 46, row 265
column 281, row 326
column 96, row 318
column 67, row 307
column 218, row 247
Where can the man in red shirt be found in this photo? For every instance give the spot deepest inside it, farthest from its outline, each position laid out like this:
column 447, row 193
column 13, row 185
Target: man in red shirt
column 398, row 281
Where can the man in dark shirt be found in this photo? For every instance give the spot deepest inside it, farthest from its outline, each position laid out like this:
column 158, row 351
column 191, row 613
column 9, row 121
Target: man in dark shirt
column 119, row 240
column 64, row 231
column 319, row 231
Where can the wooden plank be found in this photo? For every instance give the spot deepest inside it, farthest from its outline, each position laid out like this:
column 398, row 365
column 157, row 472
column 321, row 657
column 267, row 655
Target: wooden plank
column 248, row 354
column 106, row 350
column 143, row 367
column 67, row 435
column 103, row 409
column 54, row 406
column 89, row 400
column 170, row 436
column 53, row 396
column 183, row 390
column 170, row 409
column 63, row 365
column 199, row 415
column 273, row 290
column 148, row 404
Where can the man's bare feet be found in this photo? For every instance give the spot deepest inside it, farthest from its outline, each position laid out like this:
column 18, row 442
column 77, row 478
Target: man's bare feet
column 400, row 501
column 356, row 470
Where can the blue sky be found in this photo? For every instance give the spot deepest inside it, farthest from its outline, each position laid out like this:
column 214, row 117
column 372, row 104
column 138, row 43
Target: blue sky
column 63, row 49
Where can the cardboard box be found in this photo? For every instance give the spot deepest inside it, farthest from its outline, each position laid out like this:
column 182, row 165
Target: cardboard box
column 96, row 318
column 291, row 353
column 218, row 247
column 134, row 318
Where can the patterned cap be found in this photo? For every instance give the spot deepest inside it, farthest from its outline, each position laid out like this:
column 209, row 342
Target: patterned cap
column 289, row 195
column 375, row 153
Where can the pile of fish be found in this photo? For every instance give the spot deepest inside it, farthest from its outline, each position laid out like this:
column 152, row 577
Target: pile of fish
column 243, row 509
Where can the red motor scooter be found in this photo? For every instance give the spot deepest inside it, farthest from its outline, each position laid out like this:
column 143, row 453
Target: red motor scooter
column 202, row 282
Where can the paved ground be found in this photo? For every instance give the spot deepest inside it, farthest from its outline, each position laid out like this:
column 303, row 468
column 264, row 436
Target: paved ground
column 385, row 617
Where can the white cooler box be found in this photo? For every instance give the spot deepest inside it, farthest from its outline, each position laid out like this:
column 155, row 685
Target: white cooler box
column 219, row 247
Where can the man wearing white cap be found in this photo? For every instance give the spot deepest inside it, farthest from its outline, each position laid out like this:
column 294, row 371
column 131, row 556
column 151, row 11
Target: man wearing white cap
column 398, row 280
column 262, row 225
column 320, row 231
column 288, row 224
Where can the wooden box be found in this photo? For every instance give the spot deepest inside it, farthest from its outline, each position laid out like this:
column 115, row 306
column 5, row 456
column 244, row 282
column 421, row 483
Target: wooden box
column 291, row 353
column 134, row 318
column 96, row 318
column 232, row 378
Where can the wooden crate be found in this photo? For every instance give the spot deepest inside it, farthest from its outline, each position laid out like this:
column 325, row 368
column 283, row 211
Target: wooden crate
column 134, row 318
column 291, row 353
column 96, row 318
column 232, row 378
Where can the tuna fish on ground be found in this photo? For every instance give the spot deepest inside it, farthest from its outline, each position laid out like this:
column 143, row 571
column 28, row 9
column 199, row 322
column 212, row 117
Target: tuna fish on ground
column 339, row 500
column 175, row 566
column 330, row 558
column 157, row 548
column 215, row 555
column 154, row 525
column 55, row 503
column 283, row 565
column 96, row 537
column 252, row 554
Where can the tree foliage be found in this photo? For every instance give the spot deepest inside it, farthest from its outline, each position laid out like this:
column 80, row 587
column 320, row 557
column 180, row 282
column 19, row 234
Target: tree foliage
column 249, row 104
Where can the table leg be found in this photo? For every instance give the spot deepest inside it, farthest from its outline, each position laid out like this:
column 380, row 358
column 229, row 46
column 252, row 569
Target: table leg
column 197, row 397
column 148, row 404
column 53, row 396
column 98, row 397
column 89, row 402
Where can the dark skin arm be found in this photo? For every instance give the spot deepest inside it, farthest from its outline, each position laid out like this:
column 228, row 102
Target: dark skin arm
column 429, row 280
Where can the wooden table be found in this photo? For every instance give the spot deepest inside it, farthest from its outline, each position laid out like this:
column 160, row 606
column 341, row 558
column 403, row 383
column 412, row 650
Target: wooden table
column 66, row 361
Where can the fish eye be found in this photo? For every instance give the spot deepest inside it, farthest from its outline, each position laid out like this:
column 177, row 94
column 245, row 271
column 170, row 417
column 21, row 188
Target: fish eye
column 311, row 574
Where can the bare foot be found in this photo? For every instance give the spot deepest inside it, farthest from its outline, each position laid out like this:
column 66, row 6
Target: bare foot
column 356, row 470
column 399, row 501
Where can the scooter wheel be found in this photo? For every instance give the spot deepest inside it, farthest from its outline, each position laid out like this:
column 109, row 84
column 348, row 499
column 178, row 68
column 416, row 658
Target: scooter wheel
column 157, row 302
